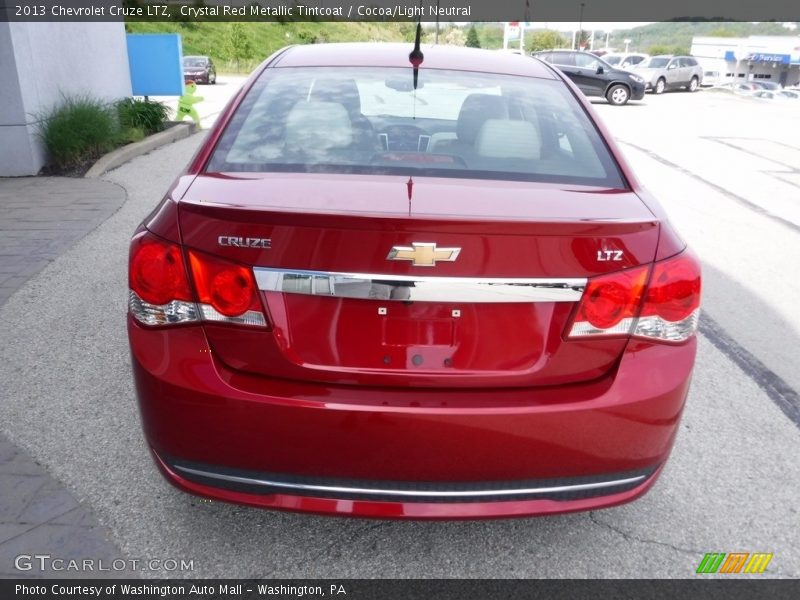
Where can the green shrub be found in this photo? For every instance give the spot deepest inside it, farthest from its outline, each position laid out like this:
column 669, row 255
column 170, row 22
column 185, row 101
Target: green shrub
column 78, row 129
column 145, row 115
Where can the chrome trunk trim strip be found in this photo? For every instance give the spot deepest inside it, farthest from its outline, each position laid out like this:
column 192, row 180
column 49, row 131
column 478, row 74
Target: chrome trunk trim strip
column 405, row 288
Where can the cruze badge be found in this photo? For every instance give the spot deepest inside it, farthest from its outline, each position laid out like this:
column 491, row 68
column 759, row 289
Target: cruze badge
column 244, row 242
column 423, row 254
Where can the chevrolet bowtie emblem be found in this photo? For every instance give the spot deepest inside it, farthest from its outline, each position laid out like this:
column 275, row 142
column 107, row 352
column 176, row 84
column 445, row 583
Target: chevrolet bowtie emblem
column 423, row 254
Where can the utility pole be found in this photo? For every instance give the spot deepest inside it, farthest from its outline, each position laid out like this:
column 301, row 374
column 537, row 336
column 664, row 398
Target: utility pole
column 436, row 41
column 580, row 25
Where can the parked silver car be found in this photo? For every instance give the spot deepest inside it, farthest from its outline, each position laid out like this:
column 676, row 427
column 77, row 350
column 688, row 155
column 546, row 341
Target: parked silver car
column 670, row 72
column 625, row 60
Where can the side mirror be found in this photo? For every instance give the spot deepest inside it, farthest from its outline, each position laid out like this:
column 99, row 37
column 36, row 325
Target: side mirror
column 599, row 70
column 672, row 66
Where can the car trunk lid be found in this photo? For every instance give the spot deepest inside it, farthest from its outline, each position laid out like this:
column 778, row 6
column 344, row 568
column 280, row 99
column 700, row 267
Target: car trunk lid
column 396, row 281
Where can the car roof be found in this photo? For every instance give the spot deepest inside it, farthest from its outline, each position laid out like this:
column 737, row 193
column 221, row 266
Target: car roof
column 396, row 55
column 195, row 56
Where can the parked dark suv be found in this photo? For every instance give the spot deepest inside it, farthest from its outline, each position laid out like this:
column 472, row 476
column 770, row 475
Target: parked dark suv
column 199, row 69
column 595, row 77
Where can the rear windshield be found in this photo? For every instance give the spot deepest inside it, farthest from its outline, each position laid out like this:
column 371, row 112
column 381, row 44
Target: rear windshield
column 655, row 63
column 455, row 124
column 194, row 62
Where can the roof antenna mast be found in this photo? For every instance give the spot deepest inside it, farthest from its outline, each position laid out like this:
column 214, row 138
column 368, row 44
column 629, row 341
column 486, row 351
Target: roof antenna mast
column 416, row 57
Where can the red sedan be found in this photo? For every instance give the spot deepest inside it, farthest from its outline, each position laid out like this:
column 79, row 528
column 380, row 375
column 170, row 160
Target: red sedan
column 411, row 287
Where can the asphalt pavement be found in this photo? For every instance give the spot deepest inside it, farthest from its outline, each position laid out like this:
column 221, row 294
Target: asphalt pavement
column 732, row 482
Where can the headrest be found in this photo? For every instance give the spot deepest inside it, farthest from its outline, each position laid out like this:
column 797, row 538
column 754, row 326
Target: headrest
column 312, row 126
column 343, row 91
column 501, row 138
column 477, row 108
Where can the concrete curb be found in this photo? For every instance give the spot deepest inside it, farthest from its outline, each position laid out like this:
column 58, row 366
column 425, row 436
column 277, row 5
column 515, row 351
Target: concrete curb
column 120, row 156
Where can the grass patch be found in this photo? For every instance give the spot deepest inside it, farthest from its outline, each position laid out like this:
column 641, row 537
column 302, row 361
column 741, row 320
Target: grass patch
column 79, row 128
column 148, row 116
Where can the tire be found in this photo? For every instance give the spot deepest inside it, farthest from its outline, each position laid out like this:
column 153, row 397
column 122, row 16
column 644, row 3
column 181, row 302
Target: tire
column 214, row 80
column 661, row 85
column 693, row 85
column 618, row 95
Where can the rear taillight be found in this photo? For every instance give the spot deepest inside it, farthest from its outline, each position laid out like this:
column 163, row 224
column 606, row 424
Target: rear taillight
column 671, row 308
column 159, row 288
column 610, row 304
column 156, row 270
column 227, row 291
column 161, row 294
column 623, row 303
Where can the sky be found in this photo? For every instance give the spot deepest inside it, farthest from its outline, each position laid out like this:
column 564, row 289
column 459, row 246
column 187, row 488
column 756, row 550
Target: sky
column 567, row 26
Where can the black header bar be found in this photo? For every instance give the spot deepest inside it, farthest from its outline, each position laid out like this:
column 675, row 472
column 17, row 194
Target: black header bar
column 700, row 588
column 531, row 11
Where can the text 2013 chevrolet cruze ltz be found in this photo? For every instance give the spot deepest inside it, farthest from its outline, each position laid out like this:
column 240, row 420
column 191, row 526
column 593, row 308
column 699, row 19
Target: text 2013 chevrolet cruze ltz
column 431, row 291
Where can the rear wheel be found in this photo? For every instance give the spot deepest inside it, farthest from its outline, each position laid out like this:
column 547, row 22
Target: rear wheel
column 693, row 84
column 660, row 85
column 618, row 95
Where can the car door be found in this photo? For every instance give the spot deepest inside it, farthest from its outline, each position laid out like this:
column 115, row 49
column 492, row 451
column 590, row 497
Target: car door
column 587, row 78
column 673, row 73
column 685, row 70
column 565, row 61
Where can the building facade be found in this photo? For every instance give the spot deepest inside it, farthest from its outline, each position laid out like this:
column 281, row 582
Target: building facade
column 40, row 64
column 754, row 58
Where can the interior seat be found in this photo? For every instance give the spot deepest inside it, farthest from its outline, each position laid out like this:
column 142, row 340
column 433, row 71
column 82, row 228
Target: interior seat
column 475, row 111
column 317, row 130
column 501, row 138
column 345, row 92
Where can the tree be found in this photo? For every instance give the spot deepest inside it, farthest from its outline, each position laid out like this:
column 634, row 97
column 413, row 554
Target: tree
column 472, row 38
column 455, row 37
column 721, row 32
column 238, row 44
column 664, row 49
column 545, row 39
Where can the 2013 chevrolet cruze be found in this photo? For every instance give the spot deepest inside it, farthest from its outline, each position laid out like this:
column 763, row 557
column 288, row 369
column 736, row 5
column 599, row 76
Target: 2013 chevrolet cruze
column 426, row 288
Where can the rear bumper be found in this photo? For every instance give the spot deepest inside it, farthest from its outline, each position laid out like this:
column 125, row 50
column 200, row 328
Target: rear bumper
column 406, row 453
column 637, row 91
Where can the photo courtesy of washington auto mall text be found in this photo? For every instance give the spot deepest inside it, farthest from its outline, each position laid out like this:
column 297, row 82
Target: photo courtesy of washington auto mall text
column 179, row 590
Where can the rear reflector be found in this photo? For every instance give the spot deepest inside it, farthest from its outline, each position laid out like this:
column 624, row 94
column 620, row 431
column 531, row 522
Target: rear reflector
column 670, row 304
column 160, row 292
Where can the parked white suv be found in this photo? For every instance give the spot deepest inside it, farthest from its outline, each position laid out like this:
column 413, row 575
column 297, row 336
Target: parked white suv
column 666, row 72
column 625, row 60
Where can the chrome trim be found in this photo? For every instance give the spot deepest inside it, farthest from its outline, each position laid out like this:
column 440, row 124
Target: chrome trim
column 307, row 487
column 372, row 286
